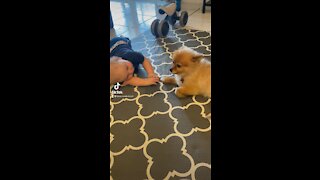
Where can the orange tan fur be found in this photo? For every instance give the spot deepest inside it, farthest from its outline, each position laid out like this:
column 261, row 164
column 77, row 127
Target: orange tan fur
column 192, row 73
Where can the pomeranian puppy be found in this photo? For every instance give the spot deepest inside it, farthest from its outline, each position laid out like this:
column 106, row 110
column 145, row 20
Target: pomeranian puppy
column 192, row 73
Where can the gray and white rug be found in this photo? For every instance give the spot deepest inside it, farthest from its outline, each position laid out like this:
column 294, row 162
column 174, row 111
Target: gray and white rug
column 154, row 134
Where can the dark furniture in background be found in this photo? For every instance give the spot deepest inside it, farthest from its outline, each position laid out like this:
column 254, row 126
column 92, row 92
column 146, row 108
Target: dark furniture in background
column 111, row 21
column 204, row 4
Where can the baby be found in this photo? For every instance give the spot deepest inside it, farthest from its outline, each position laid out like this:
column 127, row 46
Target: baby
column 124, row 63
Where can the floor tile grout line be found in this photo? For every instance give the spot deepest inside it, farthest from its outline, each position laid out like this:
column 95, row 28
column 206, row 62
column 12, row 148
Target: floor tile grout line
column 195, row 11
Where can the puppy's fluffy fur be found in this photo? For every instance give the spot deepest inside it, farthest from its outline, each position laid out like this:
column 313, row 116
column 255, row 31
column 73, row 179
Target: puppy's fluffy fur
column 192, row 73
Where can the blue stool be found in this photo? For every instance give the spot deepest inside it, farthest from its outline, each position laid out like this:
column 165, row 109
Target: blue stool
column 160, row 28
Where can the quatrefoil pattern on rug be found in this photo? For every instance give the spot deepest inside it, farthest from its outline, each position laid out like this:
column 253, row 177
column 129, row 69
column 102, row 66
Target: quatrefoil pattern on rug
column 153, row 133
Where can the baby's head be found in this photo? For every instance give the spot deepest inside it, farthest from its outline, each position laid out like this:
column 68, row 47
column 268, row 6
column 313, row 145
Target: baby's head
column 120, row 70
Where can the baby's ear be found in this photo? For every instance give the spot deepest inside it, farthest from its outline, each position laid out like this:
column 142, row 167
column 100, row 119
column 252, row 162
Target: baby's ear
column 197, row 57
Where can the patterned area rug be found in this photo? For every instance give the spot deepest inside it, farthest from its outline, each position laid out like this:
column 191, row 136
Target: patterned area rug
column 154, row 134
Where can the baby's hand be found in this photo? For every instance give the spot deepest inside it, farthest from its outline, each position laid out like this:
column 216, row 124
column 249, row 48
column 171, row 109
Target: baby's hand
column 152, row 80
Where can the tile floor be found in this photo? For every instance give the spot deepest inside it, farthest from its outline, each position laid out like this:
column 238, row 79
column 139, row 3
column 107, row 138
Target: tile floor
column 133, row 17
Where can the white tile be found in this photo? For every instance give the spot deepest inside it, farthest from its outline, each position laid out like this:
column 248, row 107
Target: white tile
column 131, row 34
column 147, row 9
column 120, row 29
column 149, row 22
column 204, row 16
column 190, row 6
column 115, row 4
column 200, row 21
column 198, row 26
column 133, row 17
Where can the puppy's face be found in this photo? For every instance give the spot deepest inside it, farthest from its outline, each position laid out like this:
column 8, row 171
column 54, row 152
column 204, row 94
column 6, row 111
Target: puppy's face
column 184, row 60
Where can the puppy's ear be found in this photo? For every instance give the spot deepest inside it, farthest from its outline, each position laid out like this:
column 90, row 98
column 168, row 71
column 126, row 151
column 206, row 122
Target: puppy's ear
column 183, row 48
column 197, row 57
column 173, row 55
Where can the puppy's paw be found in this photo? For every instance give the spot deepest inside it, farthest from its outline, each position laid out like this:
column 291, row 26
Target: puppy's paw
column 179, row 93
column 162, row 79
column 168, row 80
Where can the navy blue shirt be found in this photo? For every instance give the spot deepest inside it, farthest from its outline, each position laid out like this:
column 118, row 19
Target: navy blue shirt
column 125, row 52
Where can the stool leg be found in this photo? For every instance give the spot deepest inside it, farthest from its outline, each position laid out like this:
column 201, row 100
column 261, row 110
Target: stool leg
column 203, row 6
column 178, row 3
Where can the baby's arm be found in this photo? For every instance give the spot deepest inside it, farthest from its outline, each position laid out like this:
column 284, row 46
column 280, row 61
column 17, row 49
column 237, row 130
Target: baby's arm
column 136, row 81
column 148, row 67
